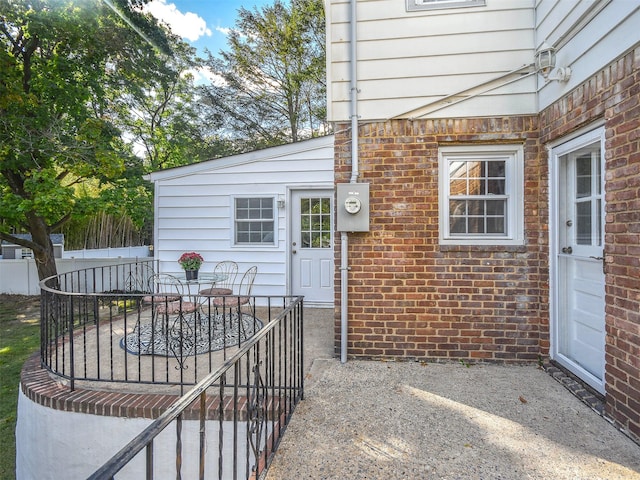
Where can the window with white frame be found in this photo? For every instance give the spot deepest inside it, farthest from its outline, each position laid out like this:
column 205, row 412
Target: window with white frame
column 481, row 195
column 254, row 220
column 413, row 5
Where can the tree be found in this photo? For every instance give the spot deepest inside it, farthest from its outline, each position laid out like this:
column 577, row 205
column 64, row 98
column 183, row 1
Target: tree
column 159, row 113
column 60, row 63
column 272, row 87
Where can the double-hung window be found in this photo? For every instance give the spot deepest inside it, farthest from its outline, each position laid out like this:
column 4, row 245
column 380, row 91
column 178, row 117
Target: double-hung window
column 481, row 195
column 254, row 221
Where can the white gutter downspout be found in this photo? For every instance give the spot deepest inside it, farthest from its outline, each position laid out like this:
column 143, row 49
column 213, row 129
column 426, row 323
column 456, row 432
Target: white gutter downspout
column 344, row 236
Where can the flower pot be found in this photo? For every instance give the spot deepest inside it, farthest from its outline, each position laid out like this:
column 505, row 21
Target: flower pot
column 191, row 274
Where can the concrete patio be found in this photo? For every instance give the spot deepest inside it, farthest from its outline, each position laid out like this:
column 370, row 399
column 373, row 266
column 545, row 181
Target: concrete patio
column 390, row 420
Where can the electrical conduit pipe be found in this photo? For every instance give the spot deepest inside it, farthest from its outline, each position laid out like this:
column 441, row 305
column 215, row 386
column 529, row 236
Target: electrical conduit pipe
column 344, row 236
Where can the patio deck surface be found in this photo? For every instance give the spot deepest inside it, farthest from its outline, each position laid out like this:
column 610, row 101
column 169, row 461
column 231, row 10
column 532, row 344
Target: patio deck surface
column 392, row 420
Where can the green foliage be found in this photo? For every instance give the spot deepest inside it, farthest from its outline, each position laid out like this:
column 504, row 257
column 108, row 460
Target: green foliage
column 19, row 338
column 464, row 363
column 161, row 117
column 95, row 94
column 69, row 73
column 273, row 88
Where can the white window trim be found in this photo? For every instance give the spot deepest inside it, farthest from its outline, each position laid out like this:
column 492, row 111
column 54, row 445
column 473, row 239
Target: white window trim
column 514, row 190
column 417, row 5
column 273, row 244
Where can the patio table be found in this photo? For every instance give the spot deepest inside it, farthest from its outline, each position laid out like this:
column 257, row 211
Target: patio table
column 192, row 324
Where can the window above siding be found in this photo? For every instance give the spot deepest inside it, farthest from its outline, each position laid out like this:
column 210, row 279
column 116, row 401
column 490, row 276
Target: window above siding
column 254, row 221
column 413, row 5
column 480, row 195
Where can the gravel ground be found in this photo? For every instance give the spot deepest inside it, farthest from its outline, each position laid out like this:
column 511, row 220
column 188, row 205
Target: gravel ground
column 382, row 420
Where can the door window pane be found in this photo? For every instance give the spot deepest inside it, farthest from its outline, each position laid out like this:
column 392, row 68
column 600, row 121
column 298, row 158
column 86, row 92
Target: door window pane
column 588, row 196
column 583, row 176
column 583, row 223
column 315, row 222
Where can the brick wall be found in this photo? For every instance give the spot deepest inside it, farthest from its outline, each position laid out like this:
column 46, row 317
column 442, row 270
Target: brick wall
column 410, row 297
column 614, row 94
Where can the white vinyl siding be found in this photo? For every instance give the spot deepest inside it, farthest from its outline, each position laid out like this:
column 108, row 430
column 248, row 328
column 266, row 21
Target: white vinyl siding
column 194, row 207
column 407, row 60
column 586, row 35
column 413, row 5
column 428, row 63
column 480, row 195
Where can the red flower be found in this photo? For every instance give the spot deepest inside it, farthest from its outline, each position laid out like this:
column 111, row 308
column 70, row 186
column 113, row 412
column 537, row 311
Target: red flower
column 190, row 260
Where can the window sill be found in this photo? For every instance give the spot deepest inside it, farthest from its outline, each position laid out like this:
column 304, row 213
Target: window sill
column 483, row 248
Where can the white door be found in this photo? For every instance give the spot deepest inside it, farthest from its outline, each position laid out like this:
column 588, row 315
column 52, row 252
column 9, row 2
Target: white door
column 312, row 246
column 580, row 280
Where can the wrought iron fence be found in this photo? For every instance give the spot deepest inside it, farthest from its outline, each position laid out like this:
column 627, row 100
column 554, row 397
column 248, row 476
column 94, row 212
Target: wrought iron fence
column 111, row 324
column 242, row 356
column 233, row 418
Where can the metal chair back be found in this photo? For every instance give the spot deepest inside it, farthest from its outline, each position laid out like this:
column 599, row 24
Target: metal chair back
column 246, row 282
column 229, row 270
column 244, row 299
column 165, row 284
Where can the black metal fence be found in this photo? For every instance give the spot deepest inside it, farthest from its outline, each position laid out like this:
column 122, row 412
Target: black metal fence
column 109, row 324
column 232, row 420
column 242, row 357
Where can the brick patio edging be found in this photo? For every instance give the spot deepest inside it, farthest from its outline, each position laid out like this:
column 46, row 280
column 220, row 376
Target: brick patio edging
column 590, row 398
column 40, row 387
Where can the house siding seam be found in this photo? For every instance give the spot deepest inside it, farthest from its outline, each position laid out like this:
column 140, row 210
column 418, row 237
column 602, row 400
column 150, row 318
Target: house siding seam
column 613, row 94
column 410, row 297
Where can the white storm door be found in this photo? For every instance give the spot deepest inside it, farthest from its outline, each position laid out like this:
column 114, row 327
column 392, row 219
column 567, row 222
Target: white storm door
column 312, row 246
column 580, row 283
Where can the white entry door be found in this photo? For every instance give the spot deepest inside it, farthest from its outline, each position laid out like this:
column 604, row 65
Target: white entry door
column 580, row 279
column 312, row 246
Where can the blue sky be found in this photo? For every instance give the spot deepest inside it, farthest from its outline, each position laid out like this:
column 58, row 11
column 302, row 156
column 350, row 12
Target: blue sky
column 202, row 23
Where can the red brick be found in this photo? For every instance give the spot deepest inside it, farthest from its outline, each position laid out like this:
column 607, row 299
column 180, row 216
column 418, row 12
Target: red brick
column 410, row 284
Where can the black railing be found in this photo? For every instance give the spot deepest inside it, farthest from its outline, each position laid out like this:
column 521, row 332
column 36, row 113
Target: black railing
column 233, row 418
column 105, row 324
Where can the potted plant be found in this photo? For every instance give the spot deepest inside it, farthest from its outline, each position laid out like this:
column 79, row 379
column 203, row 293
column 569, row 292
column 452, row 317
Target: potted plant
column 190, row 262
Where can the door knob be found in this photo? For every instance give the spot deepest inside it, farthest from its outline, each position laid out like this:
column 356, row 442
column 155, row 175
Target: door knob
column 568, row 250
column 294, row 252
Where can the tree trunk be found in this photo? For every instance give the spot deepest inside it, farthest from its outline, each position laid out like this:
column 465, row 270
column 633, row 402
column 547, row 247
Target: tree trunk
column 42, row 248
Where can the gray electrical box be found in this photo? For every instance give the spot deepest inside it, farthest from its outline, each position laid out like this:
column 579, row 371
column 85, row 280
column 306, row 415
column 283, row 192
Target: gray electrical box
column 353, row 207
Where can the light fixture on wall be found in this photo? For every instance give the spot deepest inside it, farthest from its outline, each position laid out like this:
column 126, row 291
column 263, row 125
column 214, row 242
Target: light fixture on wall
column 546, row 63
column 280, row 201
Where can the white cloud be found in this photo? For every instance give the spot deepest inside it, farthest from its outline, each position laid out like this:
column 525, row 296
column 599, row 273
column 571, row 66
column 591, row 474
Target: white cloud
column 187, row 25
column 224, row 30
column 204, row 76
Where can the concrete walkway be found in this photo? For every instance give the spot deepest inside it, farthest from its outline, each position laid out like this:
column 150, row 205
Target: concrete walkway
column 386, row 420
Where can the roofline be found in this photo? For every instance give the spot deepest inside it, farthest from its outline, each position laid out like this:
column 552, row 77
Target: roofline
column 248, row 157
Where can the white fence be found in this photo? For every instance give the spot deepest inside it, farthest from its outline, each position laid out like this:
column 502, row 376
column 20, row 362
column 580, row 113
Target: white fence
column 21, row 276
column 124, row 252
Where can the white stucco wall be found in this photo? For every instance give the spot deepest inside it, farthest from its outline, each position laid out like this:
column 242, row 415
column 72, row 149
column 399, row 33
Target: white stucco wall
column 52, row 444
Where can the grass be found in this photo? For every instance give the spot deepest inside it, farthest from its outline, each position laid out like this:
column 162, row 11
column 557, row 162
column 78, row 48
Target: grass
column 19, row 338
